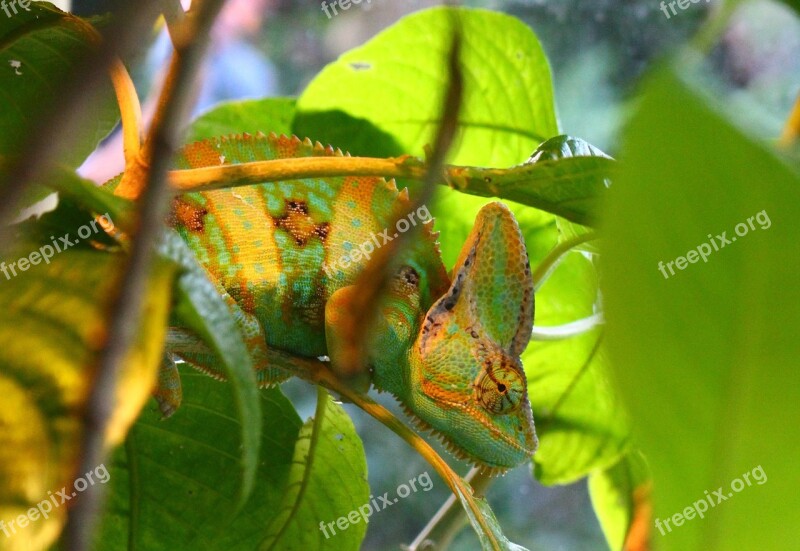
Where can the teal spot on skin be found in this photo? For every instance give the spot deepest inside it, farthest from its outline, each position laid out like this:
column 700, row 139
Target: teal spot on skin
column 356, row 223
column 247, row 225
column 274, row 204
column 235, row 249
column 452, row 329
column 258, row 267
column 320, row 203
column 347, row 246
column 351, row 204
column 238, row 212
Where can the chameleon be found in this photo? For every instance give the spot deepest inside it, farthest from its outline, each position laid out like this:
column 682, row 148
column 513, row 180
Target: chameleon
column 285, row 257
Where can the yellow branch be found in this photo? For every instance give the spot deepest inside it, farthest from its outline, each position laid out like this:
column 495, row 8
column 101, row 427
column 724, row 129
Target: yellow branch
column 259, row 172
column 129, row 108
column 792, row 129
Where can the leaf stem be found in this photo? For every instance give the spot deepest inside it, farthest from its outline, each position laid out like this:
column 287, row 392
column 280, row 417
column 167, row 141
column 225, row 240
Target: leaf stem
column 567, row 330
column 555, row 256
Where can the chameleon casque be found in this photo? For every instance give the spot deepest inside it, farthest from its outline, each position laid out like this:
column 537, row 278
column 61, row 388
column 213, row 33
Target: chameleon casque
column 282, row 254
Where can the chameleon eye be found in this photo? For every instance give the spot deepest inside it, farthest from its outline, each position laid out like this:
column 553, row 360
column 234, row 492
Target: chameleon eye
column 500, row 388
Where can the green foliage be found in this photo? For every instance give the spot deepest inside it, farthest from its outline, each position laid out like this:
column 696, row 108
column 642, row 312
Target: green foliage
column 39, row 48
column 704, row 357
column 52, row 324
column 395, row 82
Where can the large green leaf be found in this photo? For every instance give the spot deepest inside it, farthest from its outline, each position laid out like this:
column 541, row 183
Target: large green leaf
column 187, row 469
column 40, row 49
column 51, row 330
column 234, row 117
column 578, row 416
column 396, row 81
column 180, row 469
column 327, row 481
column 706, row 358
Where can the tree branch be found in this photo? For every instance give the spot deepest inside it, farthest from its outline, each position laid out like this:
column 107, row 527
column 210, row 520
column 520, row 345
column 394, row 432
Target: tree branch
column 156, row 155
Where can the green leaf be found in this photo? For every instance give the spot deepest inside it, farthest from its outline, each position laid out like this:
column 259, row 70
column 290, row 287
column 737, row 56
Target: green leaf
column 565, row 147
column 176, row 482
column 612, row 492
column 328, row 480
column 396, row 80
column 40, row 49
column 234, row 117
column 577, row 413
column 705, row 357
column 200, row 307
column 569, row 187
column 51, row 330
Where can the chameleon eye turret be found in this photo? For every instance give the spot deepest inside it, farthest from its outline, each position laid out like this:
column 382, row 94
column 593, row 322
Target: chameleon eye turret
column 500, row 388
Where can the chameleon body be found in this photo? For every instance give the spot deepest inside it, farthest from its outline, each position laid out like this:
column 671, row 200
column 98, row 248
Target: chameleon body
column 286, row 256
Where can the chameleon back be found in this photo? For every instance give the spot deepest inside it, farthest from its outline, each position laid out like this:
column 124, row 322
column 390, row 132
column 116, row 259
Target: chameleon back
column 280, row 250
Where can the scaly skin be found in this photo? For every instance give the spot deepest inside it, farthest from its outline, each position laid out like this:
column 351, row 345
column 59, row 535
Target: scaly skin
column 285, row 257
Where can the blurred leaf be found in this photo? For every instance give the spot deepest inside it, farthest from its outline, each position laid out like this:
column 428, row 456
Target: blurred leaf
column 705, row 357
column 40, row 48
column 77, row 197
column 794, row 4
column 612, row 492
column 234, row 117
column 200, row 307
column 52, row 326
column 395, row 82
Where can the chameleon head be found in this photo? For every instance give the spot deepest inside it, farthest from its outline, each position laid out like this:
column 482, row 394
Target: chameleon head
column 466, row 378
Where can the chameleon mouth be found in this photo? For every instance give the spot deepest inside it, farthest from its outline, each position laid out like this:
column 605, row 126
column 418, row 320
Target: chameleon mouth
column 459, row 453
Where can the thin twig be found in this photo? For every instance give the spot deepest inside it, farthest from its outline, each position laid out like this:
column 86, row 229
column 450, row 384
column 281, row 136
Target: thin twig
column 126, row 307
